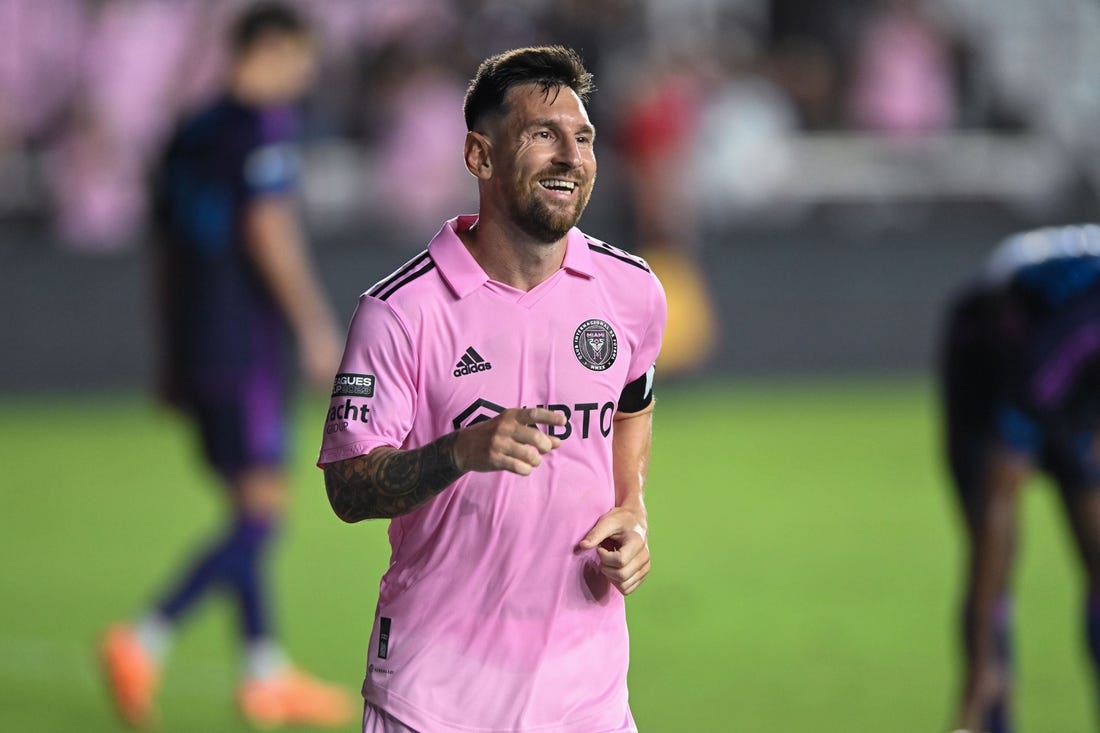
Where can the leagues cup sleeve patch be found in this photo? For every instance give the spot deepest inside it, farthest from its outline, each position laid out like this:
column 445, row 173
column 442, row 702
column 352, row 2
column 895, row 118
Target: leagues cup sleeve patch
column 353, row 385
column 595, row 344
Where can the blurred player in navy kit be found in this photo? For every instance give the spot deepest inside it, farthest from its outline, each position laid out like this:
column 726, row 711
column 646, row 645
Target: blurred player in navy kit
column 1021, row 387
column 236, row 284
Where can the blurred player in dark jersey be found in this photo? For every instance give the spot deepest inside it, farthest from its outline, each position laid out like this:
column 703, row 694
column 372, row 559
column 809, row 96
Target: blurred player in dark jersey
column 237, row 289
column 1021, row 387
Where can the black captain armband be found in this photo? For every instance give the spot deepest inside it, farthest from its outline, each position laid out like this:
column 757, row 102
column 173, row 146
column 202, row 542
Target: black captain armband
column 637, row 395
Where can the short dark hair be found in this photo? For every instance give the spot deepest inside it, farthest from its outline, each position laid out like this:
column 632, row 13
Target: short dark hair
column 264, row 19
column 552, row 67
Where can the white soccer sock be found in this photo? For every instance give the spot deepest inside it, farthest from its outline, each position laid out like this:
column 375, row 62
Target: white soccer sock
column 263, row 658
column 154, row 633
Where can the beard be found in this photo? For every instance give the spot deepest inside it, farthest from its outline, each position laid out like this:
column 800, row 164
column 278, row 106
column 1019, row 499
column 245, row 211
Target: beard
column 542, row 223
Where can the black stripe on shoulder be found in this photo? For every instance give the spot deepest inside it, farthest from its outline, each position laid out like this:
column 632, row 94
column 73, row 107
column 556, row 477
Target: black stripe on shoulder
column 401, row 272
column 423, row 271
column 606, row 249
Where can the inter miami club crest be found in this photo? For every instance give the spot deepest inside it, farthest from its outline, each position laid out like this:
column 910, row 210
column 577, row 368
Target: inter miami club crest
column 595, row 344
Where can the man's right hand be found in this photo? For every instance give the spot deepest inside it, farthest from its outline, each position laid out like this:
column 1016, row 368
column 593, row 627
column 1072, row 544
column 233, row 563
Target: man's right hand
column 320, row 350
column 508, row 442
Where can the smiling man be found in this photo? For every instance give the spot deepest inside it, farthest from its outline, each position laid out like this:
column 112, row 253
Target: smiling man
column 495, row 402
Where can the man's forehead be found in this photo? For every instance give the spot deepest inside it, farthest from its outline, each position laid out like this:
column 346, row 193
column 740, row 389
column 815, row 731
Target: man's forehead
column 525, row 102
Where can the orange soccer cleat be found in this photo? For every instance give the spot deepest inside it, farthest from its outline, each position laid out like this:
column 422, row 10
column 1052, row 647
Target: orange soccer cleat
column 132, row 675
column 294, row 698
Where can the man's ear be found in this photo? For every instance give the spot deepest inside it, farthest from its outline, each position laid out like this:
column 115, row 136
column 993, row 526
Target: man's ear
column 476, row 151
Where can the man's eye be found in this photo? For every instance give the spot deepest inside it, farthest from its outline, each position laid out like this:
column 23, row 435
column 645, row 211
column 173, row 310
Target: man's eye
column 543, row 134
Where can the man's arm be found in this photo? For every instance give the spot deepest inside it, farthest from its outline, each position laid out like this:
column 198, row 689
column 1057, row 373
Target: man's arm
column 274, row 242
column 620, row 536
column 388, row 482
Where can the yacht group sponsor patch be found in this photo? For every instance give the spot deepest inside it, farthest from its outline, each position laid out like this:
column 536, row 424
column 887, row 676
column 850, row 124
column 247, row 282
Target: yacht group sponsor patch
column 595, row 344
column 353, row 385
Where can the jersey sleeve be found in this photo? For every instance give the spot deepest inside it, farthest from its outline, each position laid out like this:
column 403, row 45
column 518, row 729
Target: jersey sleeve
column 638, row 392
column 650, row 345
column 270, row 170
column 374, row 394
column 271, row 164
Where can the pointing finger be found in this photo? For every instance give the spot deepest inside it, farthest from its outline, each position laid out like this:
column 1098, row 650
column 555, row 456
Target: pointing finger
column 540, row 416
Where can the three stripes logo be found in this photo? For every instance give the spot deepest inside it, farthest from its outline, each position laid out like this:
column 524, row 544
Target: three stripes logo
column 471, row 363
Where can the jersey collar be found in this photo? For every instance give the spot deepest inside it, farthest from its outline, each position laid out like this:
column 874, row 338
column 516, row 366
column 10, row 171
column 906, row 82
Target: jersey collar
column 464, row 275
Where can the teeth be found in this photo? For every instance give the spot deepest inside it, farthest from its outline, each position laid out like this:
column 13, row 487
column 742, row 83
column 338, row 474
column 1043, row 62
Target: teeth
column 556, row 184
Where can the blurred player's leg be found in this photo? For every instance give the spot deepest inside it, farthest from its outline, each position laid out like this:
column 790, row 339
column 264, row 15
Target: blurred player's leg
column 261, row 495
column 244, row 441
column 987, row 610
column 1083, row 514
column 1092, row 627
column 986, row 487
column 273, row 692
column 235, row 561
column 134, row 654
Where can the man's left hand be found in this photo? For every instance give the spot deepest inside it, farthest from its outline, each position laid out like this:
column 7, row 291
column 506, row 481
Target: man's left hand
column 619, row 538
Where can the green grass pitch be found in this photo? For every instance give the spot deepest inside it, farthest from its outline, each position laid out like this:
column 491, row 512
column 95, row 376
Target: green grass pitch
column 806, row 560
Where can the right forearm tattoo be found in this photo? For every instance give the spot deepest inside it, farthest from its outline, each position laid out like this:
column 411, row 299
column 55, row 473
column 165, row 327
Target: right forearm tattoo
column 391, row 483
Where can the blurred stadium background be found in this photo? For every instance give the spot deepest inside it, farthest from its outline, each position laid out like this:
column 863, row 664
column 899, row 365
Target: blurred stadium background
column 827, row 171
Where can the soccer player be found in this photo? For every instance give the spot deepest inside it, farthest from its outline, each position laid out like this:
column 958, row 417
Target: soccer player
column 1021, row 382
column 237, row 281
column 495, row 402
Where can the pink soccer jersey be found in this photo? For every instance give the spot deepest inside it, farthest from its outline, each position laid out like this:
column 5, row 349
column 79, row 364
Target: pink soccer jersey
column 489, row 618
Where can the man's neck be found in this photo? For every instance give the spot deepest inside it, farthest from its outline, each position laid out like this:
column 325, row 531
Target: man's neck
column 510, row 257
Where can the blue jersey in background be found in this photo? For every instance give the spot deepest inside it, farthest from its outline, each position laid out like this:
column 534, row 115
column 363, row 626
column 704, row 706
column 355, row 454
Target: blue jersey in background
column 221, row 324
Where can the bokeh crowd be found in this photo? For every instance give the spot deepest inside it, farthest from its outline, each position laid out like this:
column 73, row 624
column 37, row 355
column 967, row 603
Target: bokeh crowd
column 709, row 111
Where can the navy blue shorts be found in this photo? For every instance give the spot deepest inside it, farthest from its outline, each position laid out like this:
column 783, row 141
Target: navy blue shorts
column 245, row 428
column 986, row 349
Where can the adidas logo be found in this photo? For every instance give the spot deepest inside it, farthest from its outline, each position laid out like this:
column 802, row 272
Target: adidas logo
column 471, row 363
